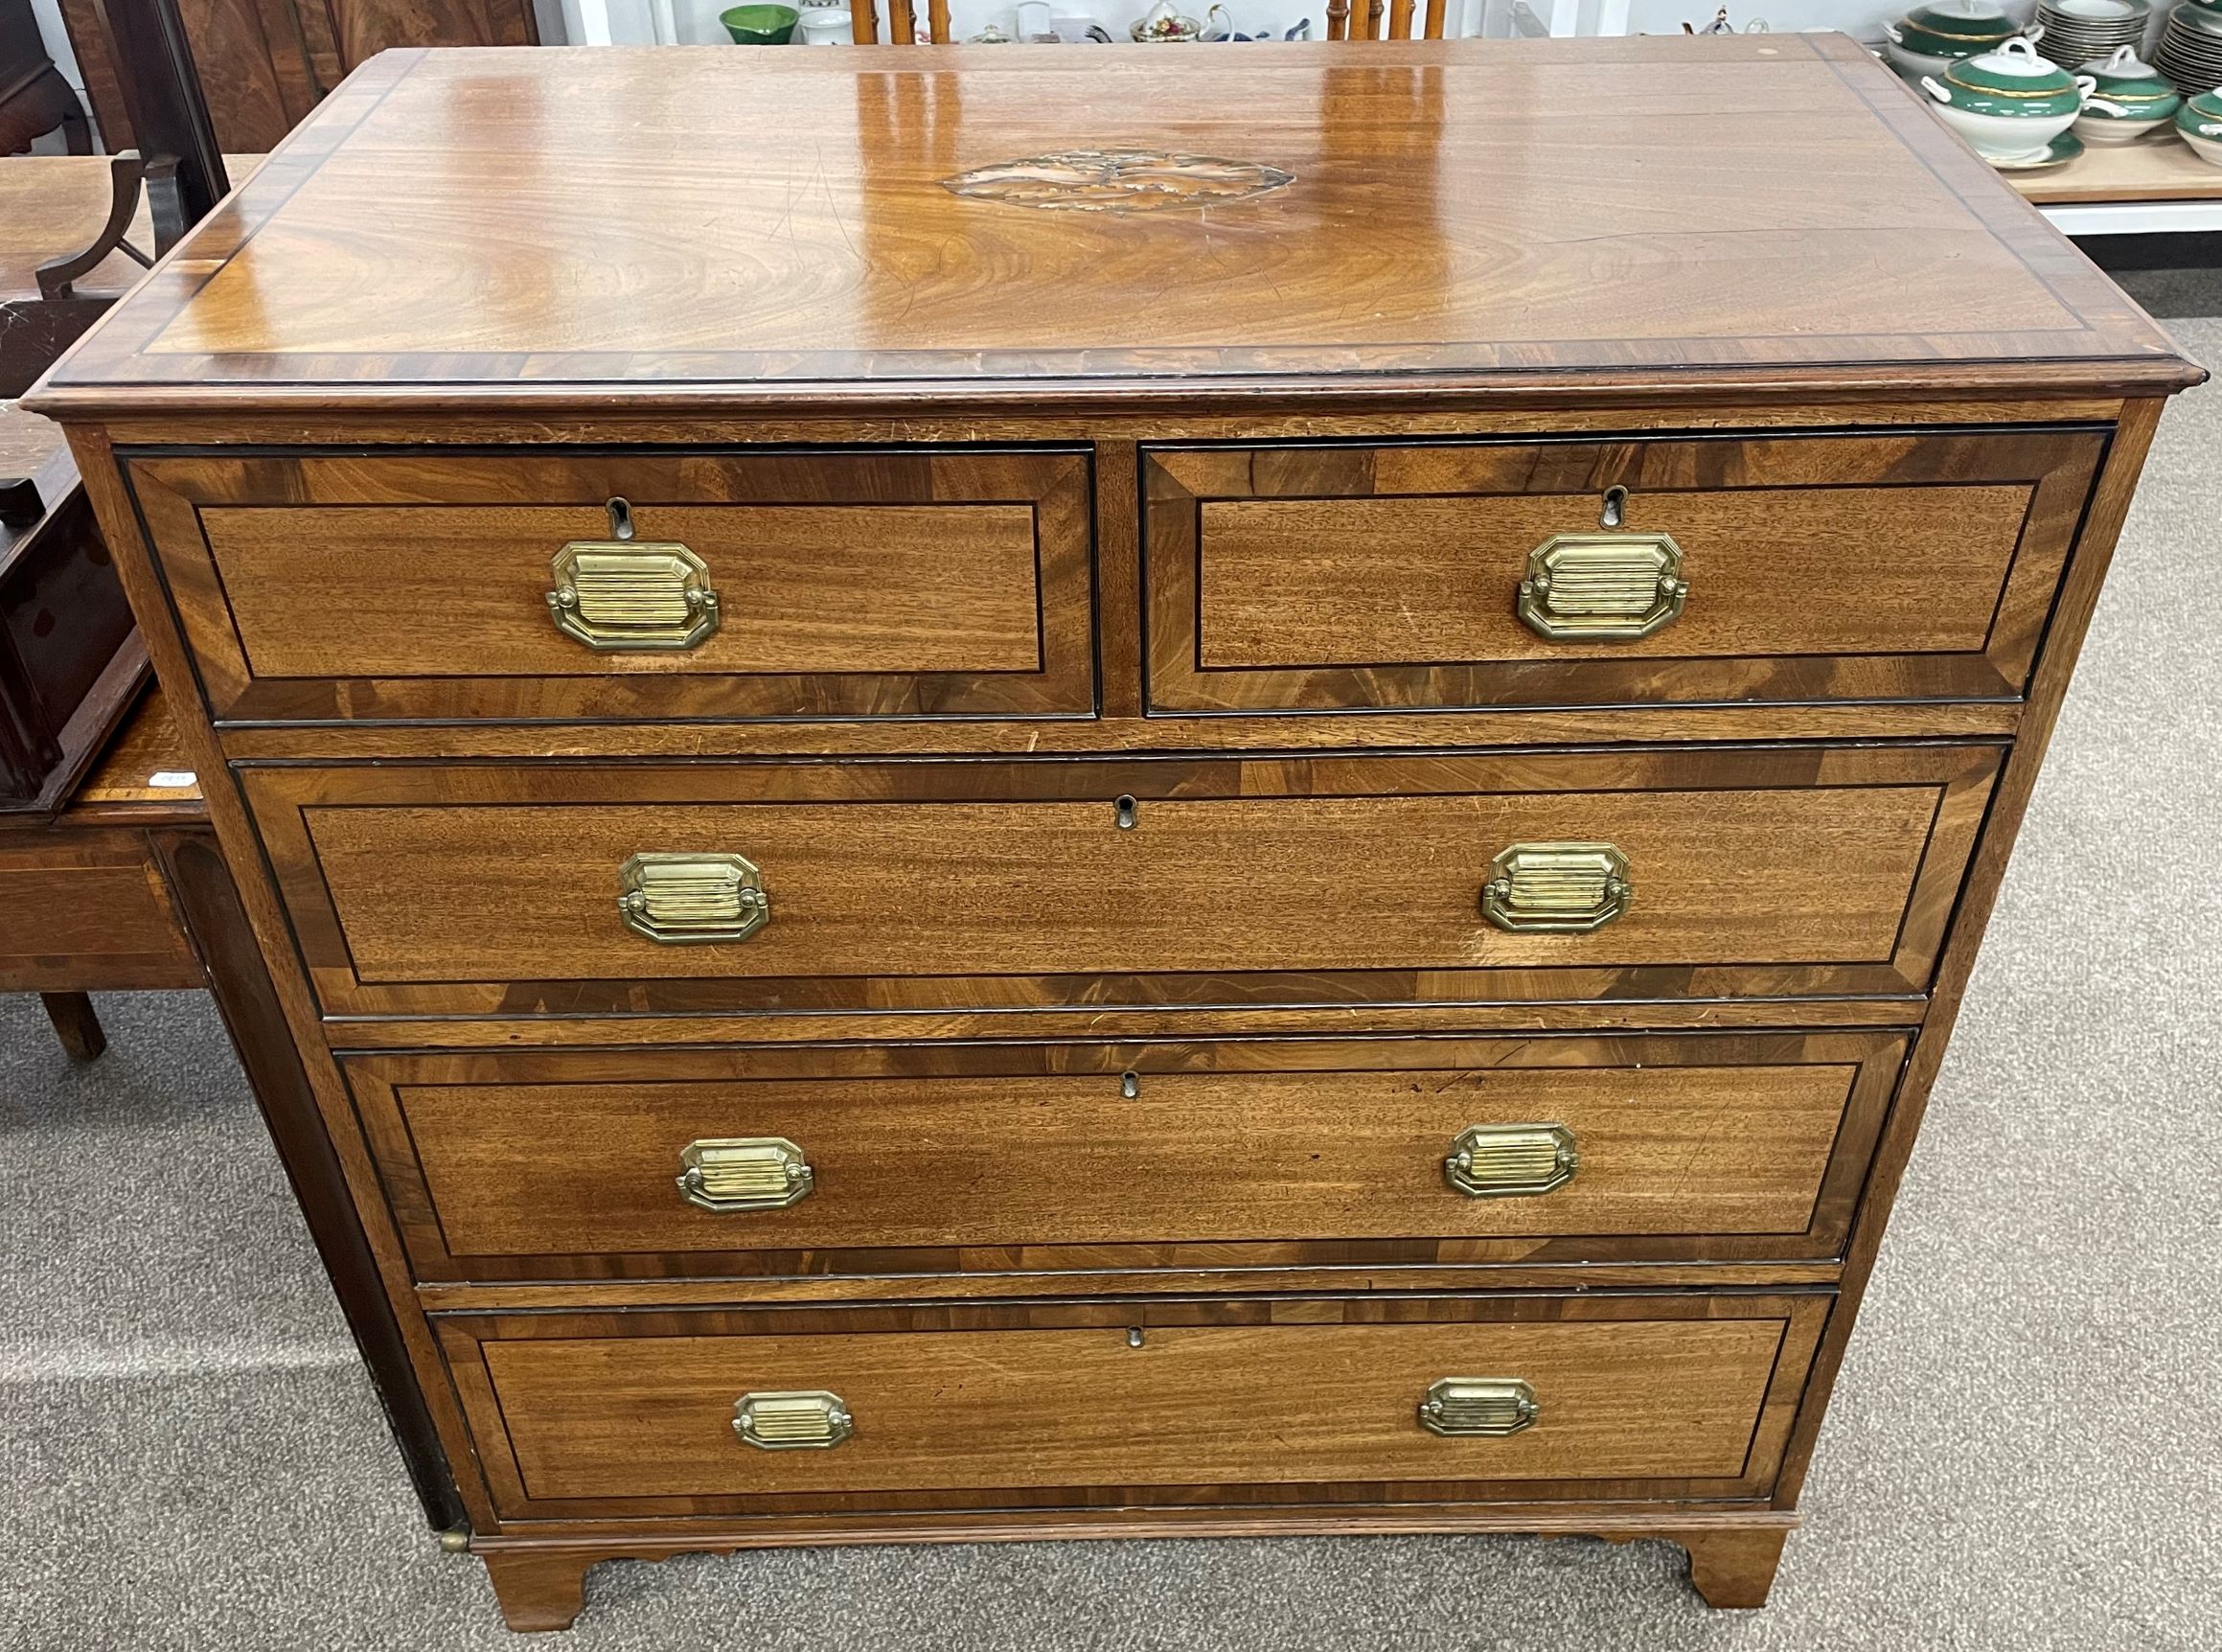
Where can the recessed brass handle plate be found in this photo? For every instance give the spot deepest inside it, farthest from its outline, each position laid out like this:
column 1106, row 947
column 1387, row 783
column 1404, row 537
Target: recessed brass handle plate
column 623, row 594
column 1490, row 1406
column 677, row 899
column 744, row 1173
column 1602, row 588
column 1556, row 888
column 794, row 1420
column 1503, row 1160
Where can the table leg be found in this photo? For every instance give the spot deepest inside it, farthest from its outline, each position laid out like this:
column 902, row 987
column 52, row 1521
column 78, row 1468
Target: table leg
column 76, row 1024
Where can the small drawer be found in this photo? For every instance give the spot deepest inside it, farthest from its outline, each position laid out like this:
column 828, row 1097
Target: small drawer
column 573, row 889
column 1230, row 1401
column 88, row 912
column 1767, row 569
column 1712, row 1147
column 601, row 585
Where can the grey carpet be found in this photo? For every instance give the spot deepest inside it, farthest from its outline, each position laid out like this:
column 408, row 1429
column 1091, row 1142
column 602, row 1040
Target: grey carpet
column 2023, row 1452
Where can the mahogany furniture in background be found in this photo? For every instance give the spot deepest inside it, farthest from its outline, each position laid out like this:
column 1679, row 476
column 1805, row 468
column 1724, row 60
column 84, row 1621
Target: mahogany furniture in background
column 123, row 889
column 113, row 882
column 264, row 64
column 1240, row 794
column 85, row 905
column 70, row 657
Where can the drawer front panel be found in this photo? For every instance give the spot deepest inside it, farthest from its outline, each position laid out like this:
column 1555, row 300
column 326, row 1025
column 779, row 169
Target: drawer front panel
column 1243, row 1153
column 1235, row 1400
column 825, row 585
column 88, row 912
column 1328, row 576
column 961, row 885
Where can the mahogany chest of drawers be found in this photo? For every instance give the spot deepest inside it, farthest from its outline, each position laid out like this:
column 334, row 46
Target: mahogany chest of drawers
column 1137, row 793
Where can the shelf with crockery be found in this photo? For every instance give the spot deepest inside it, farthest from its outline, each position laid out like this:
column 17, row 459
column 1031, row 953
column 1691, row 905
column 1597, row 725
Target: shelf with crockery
column 2064, row 106
column 2154, row 169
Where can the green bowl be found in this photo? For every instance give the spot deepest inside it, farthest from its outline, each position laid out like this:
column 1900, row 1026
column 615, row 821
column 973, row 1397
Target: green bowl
column 759, row 25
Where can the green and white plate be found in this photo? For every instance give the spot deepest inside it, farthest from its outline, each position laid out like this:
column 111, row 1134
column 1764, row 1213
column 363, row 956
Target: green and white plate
column 2058, row 152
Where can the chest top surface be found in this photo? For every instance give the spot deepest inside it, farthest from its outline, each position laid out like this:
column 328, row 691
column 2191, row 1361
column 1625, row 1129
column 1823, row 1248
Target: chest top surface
column 486, row 227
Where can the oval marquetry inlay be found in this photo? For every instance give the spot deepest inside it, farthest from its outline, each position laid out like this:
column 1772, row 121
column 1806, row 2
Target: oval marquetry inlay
column 1118, row 181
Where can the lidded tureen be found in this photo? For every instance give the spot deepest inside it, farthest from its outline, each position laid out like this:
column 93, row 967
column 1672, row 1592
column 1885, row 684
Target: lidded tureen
column 2010, row 104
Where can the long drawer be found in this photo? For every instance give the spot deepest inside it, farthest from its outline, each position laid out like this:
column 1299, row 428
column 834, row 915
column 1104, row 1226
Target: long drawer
column 1241, row 1153
column 1232, row 1400
column 1785, row 568
column 598, row 584
column 549, row 889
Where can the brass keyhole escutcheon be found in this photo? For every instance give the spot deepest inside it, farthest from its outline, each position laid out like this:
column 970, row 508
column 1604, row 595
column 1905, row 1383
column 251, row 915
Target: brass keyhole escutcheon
column 1125, row 812
column 1615, row 507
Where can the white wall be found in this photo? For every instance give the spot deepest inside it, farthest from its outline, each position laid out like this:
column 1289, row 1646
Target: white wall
column 57, row 39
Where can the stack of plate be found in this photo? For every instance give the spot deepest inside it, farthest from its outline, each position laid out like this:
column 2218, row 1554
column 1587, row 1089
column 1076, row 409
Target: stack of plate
column 2080, row 32
column 2190, row 49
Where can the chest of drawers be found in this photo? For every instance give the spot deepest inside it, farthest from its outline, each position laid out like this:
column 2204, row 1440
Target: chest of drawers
column 1133, row 844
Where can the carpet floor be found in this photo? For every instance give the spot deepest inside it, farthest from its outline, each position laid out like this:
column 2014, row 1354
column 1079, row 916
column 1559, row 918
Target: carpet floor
column 2023, row 1452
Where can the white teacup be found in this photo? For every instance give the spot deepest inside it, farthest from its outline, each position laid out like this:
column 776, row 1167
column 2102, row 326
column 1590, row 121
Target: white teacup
column 823, row 26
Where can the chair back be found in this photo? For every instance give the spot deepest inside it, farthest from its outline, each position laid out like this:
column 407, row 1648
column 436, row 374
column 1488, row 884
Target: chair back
column 1363, row 19
column 902, row 22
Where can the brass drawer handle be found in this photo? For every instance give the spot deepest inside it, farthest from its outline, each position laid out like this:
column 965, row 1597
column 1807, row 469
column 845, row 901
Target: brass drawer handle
column 1602, row 588
column 624, row 593
column 744, row 1173
column 1556, row 888
column 809, row 1420
column 676, row 899
column 1494, row 1406
column 1501, row 1161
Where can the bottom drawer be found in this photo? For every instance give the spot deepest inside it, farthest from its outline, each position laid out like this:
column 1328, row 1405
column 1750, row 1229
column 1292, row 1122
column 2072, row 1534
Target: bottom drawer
column 1246, row 1401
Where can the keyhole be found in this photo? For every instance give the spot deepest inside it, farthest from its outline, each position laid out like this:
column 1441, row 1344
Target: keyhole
column 1129, row 1085
column 621, row 519
column 1134, row 1336
column 1615, row 507
column 1126, row 807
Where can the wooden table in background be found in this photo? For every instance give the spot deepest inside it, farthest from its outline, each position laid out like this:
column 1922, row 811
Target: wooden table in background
column 50, row 207
column 124, row 887
column 86, row 902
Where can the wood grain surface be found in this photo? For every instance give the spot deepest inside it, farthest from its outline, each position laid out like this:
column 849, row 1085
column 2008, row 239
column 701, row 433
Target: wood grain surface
column 923, row 886
column 264, row 64
column 1282, row 454
column 2159, row 168
column 912, row 582
column 1915, row 566
column 1726, row 213
column 1032, row 1157
column 88, row 909
column 143, row 768
column 1226, row 1401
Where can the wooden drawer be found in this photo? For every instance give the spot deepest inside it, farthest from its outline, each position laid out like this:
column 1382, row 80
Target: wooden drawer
column 495, row 890
column 1228, row 1153
column 865, row 583
column 88, row 910
column 1230, row 1401
column 1322, row 576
